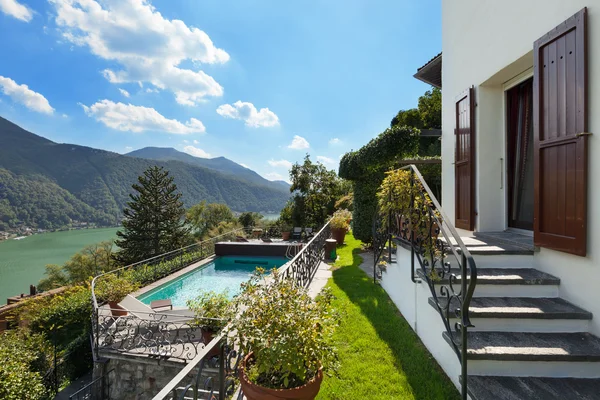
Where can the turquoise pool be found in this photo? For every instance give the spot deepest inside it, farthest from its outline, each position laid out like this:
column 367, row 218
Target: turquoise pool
column 223, row 273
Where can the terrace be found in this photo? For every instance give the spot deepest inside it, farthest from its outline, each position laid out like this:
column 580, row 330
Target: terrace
column 164, row 354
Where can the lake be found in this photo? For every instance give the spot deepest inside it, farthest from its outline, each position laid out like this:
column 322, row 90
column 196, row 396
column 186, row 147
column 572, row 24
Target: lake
column 22, row 261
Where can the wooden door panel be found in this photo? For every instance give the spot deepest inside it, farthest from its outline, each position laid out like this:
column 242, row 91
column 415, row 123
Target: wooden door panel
column 560, row 118
column 464, row 161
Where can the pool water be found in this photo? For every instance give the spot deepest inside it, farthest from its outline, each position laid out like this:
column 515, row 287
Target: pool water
column 225, row 273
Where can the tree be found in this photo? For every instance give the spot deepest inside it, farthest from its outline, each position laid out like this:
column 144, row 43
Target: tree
column 249, row 218
column 316, row 190
column 92, row 260
column 203, row 217
column 154, row 218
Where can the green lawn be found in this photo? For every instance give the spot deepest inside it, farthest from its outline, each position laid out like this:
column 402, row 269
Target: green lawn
column 380, row 355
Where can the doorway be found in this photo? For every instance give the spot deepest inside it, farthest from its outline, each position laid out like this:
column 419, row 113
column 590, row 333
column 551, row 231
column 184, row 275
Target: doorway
column 519, row 155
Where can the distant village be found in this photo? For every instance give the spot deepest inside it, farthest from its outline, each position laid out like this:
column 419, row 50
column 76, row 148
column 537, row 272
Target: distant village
column 23, row 231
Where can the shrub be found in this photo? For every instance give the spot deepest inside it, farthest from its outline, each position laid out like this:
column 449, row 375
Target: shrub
column 288, row 332
column 111, row 288
column 341, row 219
column 23, row 359
column 211, row 309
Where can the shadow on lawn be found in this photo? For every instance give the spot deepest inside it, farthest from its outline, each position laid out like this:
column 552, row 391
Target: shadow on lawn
column 425, row 376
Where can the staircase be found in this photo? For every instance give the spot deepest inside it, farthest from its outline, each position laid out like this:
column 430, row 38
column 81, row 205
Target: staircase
column 527, row 343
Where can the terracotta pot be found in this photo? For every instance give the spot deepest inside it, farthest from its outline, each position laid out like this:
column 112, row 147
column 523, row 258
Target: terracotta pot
column 116, row 309
column 207, row 336
column 285, row 235
column 339, row 234
column 255, row 392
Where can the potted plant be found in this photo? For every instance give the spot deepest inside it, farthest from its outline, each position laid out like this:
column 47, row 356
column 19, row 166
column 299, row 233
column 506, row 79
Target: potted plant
column 113, row 289
column 211, row 310
column 340, row 222
column 286, row 231
column 285, row 337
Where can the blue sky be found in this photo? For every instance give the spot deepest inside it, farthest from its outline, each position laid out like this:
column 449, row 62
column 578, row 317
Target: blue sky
column 259, row 82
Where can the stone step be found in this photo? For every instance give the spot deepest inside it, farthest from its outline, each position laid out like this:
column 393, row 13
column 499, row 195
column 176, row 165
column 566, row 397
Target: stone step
column 507, row 282
column 532, row 388
column 533, row 354
column 523, row 314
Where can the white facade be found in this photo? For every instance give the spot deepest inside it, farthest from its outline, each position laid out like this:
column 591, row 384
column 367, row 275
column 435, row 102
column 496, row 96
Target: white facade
column 489, row 45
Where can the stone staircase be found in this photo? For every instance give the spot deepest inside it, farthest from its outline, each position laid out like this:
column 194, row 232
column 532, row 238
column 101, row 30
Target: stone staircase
column 527, row 343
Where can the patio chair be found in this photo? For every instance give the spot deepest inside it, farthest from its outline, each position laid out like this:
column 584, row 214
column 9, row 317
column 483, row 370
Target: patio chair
column 297, row 233
column 266, row 240
column 308, row 233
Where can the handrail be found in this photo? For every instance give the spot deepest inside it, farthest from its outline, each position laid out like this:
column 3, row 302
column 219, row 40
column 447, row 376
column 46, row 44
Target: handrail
column 431, row 251
column 305, row 263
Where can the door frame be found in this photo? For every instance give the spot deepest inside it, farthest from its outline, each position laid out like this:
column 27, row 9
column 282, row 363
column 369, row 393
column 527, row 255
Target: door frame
column 506, row 86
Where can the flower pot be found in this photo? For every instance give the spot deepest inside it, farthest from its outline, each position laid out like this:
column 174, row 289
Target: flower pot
column 285, row 235
column 207, row 336
column 116, row 309
column 252, row 391
column 339, row 234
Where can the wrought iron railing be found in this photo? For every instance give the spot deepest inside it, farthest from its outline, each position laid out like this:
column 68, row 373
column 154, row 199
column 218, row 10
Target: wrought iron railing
column 304, row 265
column 207, row 376
column 155, row 334
column 444, row 262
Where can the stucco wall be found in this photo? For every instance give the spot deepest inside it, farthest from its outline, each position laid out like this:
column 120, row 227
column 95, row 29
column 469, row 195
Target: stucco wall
column 486, row 44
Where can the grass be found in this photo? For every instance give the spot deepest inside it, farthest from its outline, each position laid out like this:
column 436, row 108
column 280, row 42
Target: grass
column 380, row 355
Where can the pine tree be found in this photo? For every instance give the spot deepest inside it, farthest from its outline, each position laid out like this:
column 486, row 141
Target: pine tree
column 154, row 218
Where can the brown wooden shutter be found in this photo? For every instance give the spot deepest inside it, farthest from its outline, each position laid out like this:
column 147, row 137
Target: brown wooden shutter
column 464, row 161
column 560, row 139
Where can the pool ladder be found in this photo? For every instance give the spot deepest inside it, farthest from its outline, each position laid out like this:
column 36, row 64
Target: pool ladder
column 292, row 250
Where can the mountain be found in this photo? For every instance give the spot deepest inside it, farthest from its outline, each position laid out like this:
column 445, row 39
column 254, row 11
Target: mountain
column 45, row 184
column 220, row 164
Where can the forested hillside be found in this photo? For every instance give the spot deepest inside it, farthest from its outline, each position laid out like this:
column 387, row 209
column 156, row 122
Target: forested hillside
column 44, row 184
column 220, row 164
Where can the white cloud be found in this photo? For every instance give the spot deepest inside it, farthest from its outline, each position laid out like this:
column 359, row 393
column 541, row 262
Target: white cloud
column 299, row 143
column 280, row 163
column 16, row 9
column 127, row 117
column 148, row 90
column 325, row 160
column 196, row 152
column 247, row 112
column 186, row 141
column 196, row 142
column 148, row 47
column 274, row 176
column 22, row 94
column 124, row 92
column 335, row 141
column 128, row 148
column 244, row 165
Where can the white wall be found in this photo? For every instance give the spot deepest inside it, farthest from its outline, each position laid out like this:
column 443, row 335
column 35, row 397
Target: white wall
column 412, row 301
column 485, row 44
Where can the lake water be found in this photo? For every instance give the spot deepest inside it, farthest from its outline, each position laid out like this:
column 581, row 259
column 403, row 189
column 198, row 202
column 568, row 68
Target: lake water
column 22, row 262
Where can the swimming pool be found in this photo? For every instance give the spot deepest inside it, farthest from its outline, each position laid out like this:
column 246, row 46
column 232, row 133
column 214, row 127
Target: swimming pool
column 223, row 273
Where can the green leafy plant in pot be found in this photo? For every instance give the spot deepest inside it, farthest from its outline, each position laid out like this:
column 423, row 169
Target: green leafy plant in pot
column 113, row 289
column 211, row 311
column 340, row 222
column 285, row 336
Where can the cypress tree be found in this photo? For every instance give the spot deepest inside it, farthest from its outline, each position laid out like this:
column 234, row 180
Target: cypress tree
column 154, row 218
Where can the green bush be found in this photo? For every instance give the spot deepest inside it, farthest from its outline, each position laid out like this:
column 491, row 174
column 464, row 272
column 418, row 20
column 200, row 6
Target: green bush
column 211, row 309
column 23, row 360
column 289, row 333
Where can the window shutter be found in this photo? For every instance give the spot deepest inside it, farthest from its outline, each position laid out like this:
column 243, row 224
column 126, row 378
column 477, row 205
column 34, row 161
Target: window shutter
column 464, row 161
column 560, row 137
